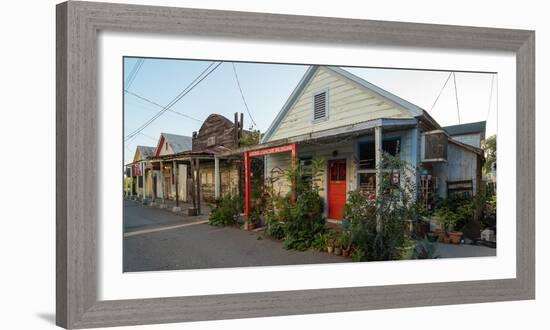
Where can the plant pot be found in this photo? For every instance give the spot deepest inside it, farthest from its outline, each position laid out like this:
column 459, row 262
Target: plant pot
column 337, row 251
column 330, row 249
column 346, row 253
column 250, row 226
column 446, row 240
column 455, row 236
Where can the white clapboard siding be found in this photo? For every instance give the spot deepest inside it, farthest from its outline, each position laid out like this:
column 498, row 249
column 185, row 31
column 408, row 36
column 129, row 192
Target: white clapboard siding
column 348, row 103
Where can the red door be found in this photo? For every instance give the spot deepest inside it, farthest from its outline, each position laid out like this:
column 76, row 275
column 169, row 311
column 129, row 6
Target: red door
column 336, row 188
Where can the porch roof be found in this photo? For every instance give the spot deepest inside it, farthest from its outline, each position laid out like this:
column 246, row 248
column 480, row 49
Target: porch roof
column 333, row 133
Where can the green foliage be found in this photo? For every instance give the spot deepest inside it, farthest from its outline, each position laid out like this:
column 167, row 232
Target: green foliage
column 378, row 226
column 250, row 138
column 345, row 240
column 320, row 241
column 425, row 249
column 276, row 229
column 358, row 255
column 489, row 146
column 456, row 210
column 305, row 219
column 227, row 211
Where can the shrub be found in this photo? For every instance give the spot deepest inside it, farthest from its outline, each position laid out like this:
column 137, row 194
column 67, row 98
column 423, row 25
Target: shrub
column 305, row 218
column 378, row 225
column 425, row 249
column 456, row 210
column 227, row 211
column 276, row 229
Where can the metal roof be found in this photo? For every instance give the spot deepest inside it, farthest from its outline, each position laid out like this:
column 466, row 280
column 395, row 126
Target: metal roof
column 469, row 128
column 146, row 151
column 395, row 100
column 178, row 143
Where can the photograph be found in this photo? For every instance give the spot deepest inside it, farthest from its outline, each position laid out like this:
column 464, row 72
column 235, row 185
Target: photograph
column 243, row 164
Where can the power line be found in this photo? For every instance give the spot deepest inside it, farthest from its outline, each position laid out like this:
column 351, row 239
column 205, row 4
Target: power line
column 148, row 136
column 441, row 91
column 242, row 95
column 133, row 74
column 160, row 106
column 184, row 92
column 456, row 98
column 490, row 97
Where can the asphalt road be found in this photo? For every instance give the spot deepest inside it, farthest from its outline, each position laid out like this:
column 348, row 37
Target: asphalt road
column 157, row 239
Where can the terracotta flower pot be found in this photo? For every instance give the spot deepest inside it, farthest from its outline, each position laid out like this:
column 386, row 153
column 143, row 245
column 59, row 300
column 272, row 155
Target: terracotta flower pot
column 446, row 240
column 337, row 251
column 455, row 236
column 345, row 253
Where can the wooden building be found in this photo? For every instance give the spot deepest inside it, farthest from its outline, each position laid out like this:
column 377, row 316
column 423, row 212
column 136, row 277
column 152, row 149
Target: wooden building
column 335, row 115
column 188, row 169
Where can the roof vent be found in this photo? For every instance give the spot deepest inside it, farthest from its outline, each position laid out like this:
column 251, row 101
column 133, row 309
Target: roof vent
column 320, row 106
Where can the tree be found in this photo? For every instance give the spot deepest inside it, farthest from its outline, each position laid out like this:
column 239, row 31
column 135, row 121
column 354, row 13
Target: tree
column 489, row 147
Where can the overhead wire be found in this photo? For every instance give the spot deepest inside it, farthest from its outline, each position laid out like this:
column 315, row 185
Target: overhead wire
column 134, row 73
column 242, row 94
column 441, row 91
column 204, row 74
column 456, row 98
column 160, row 106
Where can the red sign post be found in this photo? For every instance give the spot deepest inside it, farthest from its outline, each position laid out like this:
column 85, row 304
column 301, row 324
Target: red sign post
column 256, row 153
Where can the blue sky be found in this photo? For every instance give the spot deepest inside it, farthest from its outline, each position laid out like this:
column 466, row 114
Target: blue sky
column 266, row 88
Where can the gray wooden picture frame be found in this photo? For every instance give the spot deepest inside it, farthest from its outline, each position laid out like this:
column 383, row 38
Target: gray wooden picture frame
column 78, row 24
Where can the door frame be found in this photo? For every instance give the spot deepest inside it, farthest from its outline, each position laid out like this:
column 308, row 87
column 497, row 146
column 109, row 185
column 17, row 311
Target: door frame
column 345, row 160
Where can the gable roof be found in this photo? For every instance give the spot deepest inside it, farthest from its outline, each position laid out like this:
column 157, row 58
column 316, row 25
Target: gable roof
column 391, row 98
column 469, row 128
column 145, row 152
column 178, row 143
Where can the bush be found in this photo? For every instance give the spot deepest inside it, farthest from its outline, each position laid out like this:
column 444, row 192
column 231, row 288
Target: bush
column 227, row 211
column 425, row 249
column 378, row 226
column 456, row 210
column 276, row 230
column 305, row 218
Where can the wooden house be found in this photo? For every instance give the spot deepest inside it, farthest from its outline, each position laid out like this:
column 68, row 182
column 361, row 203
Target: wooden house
column 348, row 121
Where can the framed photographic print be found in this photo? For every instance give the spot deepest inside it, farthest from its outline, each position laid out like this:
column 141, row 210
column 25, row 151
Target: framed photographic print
column 216, row 165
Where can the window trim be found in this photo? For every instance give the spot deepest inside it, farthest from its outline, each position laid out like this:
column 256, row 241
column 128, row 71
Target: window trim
column 327, row 102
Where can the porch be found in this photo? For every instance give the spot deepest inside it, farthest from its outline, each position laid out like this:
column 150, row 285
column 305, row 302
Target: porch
column 352, row 157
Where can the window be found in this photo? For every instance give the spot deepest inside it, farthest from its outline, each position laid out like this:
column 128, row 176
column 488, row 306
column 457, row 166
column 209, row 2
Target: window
column 320, row 105
column 367, row 165
column 166, row 146
column 367, row 183
column 367, row 153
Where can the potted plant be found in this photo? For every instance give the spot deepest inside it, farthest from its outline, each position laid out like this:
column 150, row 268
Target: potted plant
column 448, row 219
column 345, row 244
column 330, row 245
column 337, row 247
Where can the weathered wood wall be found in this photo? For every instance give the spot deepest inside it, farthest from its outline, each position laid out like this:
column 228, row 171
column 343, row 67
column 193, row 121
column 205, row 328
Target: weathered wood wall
column 215, row 131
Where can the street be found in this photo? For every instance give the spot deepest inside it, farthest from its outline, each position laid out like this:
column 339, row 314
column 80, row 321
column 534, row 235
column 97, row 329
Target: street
column 157, row 239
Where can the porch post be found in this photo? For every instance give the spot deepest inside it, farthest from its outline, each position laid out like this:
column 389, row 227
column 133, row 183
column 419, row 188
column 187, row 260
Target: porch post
column 153, row 188
column 198, row 169
column 216, row 177
column 161, row 174
column 378, row 161
column 246, row 188
column 176, row 180
column 132, row 182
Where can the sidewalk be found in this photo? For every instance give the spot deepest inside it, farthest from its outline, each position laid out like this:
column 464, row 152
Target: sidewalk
column 464, row 251
column 138, row 216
